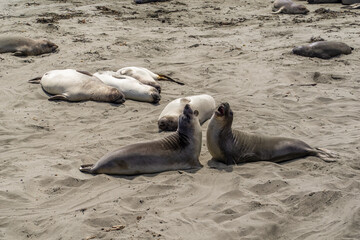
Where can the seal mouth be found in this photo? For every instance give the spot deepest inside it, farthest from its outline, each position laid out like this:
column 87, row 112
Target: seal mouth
column 223, row 109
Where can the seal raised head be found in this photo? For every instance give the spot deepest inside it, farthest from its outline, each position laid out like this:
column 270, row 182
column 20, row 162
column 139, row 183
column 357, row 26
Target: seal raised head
column 21, row 46
column 132, row 88
column 179, row 150
column 204, row 104
column 232, row 147
column 289, row 7
column 72, row 85
column 323, row 49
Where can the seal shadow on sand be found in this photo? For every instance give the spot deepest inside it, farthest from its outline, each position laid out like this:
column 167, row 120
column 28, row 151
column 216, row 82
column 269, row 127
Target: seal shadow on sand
column 212, row 163
column 150, row 175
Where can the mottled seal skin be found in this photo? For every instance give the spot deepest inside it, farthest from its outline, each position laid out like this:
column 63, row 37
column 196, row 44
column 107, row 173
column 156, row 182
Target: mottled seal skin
column 72, row 85
column 289, row 7
column 232, row 147
column 168, row 119
column 177, row 151
column 132, row 88
column 323, row 49
column 21, row 46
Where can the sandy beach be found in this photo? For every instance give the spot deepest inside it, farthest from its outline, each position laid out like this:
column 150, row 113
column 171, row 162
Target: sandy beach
column 237, row 52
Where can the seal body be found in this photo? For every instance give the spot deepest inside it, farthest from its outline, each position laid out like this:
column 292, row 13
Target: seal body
column 177, row 151
column 168, row 119
column 21, row 46
column 143, row 75
column 72, row 85
column 130, row 87
column 232, row 147
column 323, row 49
column 289, row 7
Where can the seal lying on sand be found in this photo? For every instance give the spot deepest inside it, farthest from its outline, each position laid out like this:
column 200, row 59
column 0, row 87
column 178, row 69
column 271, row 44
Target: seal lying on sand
column 177, row 151
column 21, row 46
column 130, row 87
column 149, row 1
column 168, row 119
column 289, row 7
column 231, row 146
column 323, row 49
column 72, row 85
column 145, row 76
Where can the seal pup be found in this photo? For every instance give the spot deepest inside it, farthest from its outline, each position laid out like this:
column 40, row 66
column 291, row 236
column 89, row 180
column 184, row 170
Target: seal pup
column 168, row 119
column 232, row 147
column 323, row 49
column 130, row 87
column 145, row 76
column 21, row 46
column 289, row 7
column 72, row 85
column 179, row 150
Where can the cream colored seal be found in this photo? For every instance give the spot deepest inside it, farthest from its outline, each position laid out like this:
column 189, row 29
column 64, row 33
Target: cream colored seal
column 204, row 104
column 130, row 87
column 72, row 85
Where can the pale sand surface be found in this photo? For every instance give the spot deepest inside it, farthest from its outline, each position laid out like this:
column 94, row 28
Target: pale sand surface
column 236, row 51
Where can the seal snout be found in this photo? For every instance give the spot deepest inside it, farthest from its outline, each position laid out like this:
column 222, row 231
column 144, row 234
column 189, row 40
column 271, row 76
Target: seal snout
column 222, row 109
column 156, row 97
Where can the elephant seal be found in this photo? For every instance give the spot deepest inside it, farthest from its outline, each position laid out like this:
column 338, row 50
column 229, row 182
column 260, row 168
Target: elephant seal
column 323, row 1
column 289, row 7
column 145, row 76
column 21, row 46
column 323, row 49
column 232, row 147
column 130, row 87
column 72, row 85
column 168, row 119
column 179, row 150
column 149, row 1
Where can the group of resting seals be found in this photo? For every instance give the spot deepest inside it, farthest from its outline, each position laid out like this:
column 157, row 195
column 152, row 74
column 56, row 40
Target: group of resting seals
column 181, row 150
column 127, row 83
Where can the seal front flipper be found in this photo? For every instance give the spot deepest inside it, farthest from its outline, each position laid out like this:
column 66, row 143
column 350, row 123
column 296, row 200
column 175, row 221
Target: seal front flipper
column 58, row 97
column 86, row 168
column 20, row 54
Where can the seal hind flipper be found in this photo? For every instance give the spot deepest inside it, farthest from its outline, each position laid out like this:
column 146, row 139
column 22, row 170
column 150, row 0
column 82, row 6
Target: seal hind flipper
column 167, row 78
column 86, row 168
column 36, row 80
column 58, row 97
column 326, row 155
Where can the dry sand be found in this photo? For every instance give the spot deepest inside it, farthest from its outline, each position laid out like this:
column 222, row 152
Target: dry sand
column 236, row 51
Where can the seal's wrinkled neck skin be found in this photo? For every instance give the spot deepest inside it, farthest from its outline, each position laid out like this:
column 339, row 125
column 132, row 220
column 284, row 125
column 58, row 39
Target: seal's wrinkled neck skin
column 220, row 124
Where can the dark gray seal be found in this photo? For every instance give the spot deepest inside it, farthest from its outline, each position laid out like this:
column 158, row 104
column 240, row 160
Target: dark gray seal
column 232, row 147
column 179, row 150
column 149, row 1
column 21, row 46
column 323, row 49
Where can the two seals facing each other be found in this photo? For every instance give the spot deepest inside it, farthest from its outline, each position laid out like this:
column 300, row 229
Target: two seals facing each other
column 204, row 104
column 72, row 85
column 323, row 49
column 21, row 46
column 178, row 151
column 289, row 7
column 130, row 87
column 232, row 147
